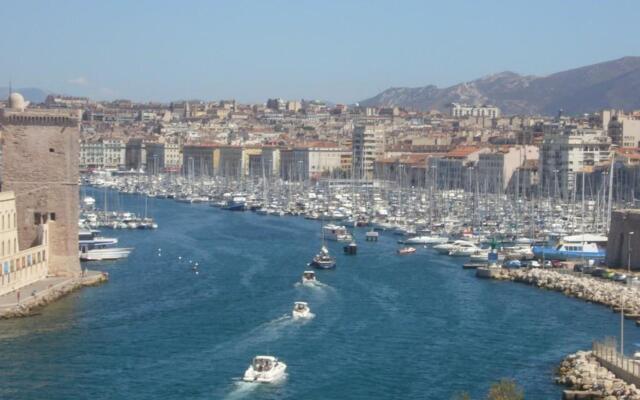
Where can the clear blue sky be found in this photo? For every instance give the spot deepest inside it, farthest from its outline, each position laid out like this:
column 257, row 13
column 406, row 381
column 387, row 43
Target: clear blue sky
column 341, row 51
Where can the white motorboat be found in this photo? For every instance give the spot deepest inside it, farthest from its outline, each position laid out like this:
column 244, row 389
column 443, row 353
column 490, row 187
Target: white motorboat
column 265, row 369
column 90, row 238
column 479, row 256
column 309, row 278
column 464, row 250
column 445, row 248
column 323, row 259
column 336, row 232
column 425, row 240
column 103, row 254
column 406, row 250
column 301, row 310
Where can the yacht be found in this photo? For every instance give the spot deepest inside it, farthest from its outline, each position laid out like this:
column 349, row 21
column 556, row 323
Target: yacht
column 89, row 238
column 464, row 250
column 104, row 253
column 479, row 256
column 445, row 248
column 425, row 240
column 301, row 310
column 584, row 246
column 309, row 278
column 323, row 259
column 336, row 232
column 265, row 369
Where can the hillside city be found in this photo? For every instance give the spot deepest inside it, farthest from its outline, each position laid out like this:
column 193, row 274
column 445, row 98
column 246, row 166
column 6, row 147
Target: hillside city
column 310, row 140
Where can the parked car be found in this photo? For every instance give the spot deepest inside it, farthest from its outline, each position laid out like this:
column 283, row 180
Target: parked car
column 578, row 268
column 618, row 277
column 599, row 272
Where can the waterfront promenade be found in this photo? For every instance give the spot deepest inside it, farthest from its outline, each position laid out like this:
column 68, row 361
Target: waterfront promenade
column 22, row 302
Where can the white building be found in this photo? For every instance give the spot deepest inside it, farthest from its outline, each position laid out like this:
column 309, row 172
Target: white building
column 102, row 154
column 368, row 143
column 495, row 170
column 566, row 151
column 310, row 162
column 624, row 130
column 466, row 110
column 20, row 267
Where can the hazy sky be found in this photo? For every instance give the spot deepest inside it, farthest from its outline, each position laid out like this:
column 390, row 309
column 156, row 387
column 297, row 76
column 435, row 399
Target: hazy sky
column 341, row 51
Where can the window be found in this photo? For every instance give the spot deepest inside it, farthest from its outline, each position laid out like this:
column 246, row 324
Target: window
column 52, row 216
column 37, row 217
column 51, row 150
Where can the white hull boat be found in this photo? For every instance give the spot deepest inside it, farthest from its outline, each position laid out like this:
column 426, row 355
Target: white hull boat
column 265, row 369
column 114, row 253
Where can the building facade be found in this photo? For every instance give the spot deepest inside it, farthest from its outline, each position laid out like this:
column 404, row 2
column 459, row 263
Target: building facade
column 465, row 110
column 368, row 144
column 567, row 151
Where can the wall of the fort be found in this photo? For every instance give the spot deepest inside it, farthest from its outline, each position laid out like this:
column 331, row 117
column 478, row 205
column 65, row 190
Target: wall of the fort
column 622, row 223
column 40, row 165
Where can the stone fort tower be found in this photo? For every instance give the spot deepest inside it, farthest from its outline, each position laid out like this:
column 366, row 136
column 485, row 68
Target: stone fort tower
column 40, row 151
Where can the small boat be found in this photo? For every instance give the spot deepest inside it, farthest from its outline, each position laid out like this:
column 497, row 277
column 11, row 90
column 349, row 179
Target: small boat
column 406, row 250
column 301, row 310
column 337, row 233
column 323, row 260
column 104, row 254
column 351, row 249
column 309, row 278
column 265, row 369
column 372, row 236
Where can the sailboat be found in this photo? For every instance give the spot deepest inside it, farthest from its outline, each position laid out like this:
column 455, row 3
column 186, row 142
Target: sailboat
column 323, row 259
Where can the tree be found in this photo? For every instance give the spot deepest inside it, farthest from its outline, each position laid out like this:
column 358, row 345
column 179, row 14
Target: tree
column 505, row 389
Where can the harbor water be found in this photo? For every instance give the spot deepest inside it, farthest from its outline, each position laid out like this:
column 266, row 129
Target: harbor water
column 385, row 326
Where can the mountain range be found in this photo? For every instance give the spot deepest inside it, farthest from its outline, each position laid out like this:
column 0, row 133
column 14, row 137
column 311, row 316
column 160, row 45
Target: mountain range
column 611, row 84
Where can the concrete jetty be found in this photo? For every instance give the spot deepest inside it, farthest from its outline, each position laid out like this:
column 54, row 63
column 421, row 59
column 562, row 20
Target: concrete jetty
column 30, row 298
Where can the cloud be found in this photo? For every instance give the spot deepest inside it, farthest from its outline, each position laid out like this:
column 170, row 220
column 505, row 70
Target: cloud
column 81, row 81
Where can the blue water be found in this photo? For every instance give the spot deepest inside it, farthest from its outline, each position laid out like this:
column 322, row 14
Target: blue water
column 386, row 326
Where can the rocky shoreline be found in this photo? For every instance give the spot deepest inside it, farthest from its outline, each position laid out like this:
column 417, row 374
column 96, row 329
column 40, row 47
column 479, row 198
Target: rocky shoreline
column 583, row 287
column 586, row 378
column 30, row 305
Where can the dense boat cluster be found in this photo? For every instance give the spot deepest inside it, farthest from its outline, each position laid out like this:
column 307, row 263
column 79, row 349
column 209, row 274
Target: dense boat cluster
column 455, row 222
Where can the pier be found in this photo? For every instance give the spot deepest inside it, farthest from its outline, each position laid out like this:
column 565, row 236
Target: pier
column 26, row 300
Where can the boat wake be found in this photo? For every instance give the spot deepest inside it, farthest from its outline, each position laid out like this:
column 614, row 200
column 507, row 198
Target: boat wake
column 241, row 389
column 305, row 319
column 314, row 285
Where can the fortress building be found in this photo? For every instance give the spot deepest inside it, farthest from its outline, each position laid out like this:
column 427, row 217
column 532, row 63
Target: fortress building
column 40, row 149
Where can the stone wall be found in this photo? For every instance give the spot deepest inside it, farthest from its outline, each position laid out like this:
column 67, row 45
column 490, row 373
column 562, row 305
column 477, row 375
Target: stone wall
column 40, row 164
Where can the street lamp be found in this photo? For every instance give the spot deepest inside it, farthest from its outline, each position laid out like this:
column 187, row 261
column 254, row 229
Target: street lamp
column 621, row 296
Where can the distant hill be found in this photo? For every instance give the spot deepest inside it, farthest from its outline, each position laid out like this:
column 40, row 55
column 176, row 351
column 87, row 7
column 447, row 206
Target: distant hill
column 33, row 95
column 611, row 84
